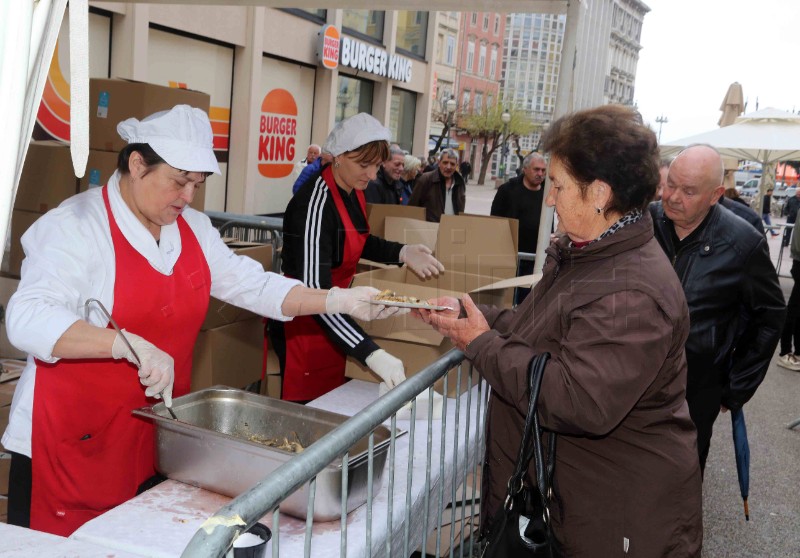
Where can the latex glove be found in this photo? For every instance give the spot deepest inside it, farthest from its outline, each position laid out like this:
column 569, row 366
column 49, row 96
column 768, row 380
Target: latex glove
column 355, row 303
column 156, row 369
column 389, row 368
column 418, row 258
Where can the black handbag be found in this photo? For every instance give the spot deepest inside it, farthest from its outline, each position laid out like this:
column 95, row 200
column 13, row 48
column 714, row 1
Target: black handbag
column 522, row 527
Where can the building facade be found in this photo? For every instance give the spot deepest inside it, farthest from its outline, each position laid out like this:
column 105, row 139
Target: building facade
column 313, row 67
column 445, row 64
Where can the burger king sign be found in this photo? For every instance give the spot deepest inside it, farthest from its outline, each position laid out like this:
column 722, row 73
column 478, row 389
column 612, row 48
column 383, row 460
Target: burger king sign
column 277, row 134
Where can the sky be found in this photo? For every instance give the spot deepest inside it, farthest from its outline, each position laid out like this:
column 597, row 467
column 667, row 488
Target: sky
column 692, row 50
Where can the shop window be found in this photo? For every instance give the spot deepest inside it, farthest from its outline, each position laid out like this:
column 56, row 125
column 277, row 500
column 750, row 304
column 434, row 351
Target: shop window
column 368, row 23
column 354, row 96
column 412, row 30
column 313, row 15
column 402, row 116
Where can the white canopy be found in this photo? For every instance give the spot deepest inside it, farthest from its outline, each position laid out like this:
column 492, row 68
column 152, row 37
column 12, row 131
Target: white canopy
column 767, row 136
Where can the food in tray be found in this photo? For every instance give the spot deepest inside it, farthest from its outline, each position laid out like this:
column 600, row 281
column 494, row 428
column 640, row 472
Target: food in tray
column 391, row 296
column 292, row 446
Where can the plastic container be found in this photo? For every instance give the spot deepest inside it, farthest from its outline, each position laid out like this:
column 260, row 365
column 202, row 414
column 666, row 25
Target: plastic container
column 258, row 550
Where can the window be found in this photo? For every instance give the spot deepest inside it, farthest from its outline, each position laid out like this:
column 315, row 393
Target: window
column 412, row 30
column 489, row 100
column 450, row 50
column 496, row 24
column 478, row 103
column 493, row 64
column 485, row 22
column 313, row 15
column 402, row 115
column 470, row 55
column 482, row 60
column 355, row 95
column 364, row 22
column 465, row 102
column 474, row 19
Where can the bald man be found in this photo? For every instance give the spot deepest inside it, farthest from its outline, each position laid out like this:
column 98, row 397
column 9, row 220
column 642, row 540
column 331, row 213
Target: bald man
column 736, row 305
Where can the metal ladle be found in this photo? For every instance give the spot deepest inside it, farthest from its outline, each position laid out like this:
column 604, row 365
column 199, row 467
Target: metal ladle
column 125, row 339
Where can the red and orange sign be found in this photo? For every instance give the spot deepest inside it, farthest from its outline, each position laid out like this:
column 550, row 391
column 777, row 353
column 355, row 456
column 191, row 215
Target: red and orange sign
column 277, row 134
column 329, row 47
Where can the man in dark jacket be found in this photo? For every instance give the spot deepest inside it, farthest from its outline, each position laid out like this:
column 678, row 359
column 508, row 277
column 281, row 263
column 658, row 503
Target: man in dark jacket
column 442, row 190
column 790, row 211
column 386, row 188
column 521, row 198
column 736, row 305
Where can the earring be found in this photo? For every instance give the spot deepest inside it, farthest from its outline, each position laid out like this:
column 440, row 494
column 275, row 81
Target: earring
column 335, row 164
column 598, row 210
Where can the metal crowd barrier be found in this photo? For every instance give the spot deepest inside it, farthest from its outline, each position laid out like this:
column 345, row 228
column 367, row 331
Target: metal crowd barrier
column 459, row 435
column 251, row 228
column 789, row 226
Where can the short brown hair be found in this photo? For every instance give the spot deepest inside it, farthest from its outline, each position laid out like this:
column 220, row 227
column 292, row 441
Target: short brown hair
column 372, row 152
column 608, row 143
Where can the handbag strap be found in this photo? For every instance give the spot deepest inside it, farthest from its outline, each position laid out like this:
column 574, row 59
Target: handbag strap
column 531, row 443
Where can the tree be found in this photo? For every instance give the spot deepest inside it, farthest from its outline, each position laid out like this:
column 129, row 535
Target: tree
column 488, row 126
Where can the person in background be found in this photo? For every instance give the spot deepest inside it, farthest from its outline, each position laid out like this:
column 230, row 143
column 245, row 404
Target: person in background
column 314, row 151
column 136, row 246
column 411, row 170
column 442, row 190
column 386, row 187
column 612, row 314
column 766, row 213
column 789, row 357
column 790, row 211
column 432, row 163
column 325, row 233
column 521, row 198
column 465, row 168
column 735, row 302
column 663, row 169
column 733, row 202
column 310, row 170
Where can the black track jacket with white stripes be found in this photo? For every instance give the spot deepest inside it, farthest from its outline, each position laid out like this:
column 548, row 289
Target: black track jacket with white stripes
column 313, row 244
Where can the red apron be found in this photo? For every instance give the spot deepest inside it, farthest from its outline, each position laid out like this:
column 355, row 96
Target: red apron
column 88, row 453
column 314, row 364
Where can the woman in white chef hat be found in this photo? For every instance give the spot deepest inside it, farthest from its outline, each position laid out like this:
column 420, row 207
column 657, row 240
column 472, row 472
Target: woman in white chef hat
column 325, row 233
column 137, row 247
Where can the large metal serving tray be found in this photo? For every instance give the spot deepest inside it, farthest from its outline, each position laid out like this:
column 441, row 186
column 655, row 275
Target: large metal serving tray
column 209, row 446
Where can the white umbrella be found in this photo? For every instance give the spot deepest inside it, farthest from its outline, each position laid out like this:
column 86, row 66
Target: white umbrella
column 767, row 136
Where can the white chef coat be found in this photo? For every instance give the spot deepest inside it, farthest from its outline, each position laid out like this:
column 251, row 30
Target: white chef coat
column 69, row 258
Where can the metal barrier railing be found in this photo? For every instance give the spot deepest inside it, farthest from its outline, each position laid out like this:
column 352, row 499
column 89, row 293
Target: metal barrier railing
column 251, row 228
column 462, row 441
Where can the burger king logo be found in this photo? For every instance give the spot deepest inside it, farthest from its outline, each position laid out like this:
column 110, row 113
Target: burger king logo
column 328, row 48
column 277, row 134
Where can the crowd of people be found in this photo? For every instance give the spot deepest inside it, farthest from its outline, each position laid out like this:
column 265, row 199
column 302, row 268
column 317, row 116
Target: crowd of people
column 658, row 304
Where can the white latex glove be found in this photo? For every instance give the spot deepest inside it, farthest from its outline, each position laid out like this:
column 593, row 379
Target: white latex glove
column 355, row 303
column 156, row 369
column 418, row 258
column 389, row 368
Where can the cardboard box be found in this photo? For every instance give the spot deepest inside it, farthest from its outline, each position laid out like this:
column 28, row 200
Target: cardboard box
column 231, row 355
column 476, row 252
column 7, row 393
column 114, row 100
column 47, row 177
column 378, row 212
column 5, row 467
column 221, row 313
column 99, row 168
column 20, row 222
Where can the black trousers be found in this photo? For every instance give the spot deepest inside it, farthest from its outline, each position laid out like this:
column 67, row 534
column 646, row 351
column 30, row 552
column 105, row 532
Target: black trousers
column 791, row 327
column 19, row 490
column 704, row 406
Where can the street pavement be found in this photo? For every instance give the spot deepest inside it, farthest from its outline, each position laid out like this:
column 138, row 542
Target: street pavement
column 774, row 527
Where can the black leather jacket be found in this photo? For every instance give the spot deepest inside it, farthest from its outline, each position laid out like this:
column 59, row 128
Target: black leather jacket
column 736, row 306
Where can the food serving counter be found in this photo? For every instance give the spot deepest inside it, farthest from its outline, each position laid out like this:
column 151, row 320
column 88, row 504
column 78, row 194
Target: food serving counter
column 162, row 521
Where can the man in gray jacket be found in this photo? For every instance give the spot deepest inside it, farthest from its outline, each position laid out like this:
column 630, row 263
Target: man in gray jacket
column 736, row 305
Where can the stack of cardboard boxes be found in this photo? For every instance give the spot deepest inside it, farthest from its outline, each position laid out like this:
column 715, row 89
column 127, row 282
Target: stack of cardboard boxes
column 230, row 347
column 48, row 177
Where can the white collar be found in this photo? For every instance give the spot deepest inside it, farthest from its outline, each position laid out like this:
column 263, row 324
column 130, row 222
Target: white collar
column 161, row 255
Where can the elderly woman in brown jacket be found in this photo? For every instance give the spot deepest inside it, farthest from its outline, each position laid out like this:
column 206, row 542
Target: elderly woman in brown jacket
column 611, row 312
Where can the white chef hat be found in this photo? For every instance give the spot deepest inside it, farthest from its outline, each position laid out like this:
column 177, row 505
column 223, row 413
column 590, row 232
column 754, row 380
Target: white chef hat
column 355, row 131
column 181, row 136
